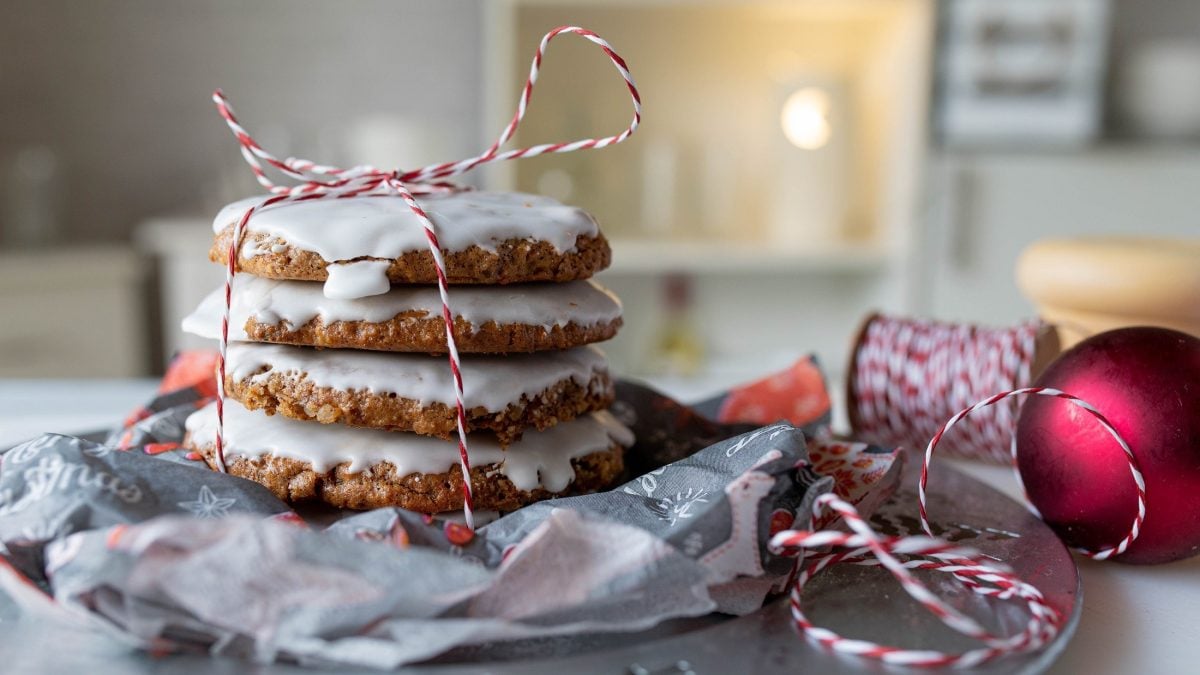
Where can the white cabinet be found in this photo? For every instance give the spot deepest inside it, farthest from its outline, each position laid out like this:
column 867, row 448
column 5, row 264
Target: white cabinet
column 179, row 247
column 986, row 207
column 73, row 313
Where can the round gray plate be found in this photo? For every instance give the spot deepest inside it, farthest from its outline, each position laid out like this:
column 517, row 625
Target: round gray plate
column 857, row 602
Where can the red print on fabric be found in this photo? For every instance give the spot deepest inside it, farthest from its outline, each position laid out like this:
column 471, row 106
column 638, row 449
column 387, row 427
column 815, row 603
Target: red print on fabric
column 797, row 395
column 192, row 369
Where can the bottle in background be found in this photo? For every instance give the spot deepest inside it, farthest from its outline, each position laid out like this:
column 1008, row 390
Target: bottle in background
column 31, row 216
column 677, row 349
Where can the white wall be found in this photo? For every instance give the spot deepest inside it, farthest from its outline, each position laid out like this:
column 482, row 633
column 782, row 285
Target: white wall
column 119, row 90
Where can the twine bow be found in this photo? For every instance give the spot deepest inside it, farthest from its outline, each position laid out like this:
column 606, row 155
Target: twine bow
column 319, row 181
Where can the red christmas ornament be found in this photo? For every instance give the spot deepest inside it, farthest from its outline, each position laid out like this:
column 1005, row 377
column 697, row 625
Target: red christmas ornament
column 1146, row 382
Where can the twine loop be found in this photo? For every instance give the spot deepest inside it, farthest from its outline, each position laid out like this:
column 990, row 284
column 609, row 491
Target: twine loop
column 900, row 556
column 978, row 572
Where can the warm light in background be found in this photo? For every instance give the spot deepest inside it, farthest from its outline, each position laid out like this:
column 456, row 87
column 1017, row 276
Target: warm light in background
column 805, row 118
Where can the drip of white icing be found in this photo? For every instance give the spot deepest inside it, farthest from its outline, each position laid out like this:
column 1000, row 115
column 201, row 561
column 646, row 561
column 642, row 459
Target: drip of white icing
column 357, row 279
column 539, row 459
column 385, row 227
column 489, row 381
column 295, row 303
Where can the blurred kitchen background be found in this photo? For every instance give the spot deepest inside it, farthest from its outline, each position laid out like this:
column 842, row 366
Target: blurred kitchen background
column 800, row 163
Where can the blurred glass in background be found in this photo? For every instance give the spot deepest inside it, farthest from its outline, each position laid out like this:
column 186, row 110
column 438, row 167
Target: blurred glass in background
column 800, row 163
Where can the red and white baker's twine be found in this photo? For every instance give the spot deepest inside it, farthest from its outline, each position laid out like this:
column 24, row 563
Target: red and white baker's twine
column 862, row 546
column 909, row 375
column 1135, row 471
column 328, row 182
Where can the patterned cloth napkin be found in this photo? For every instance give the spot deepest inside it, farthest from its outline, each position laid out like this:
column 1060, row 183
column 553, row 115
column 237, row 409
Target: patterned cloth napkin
column 137, row 536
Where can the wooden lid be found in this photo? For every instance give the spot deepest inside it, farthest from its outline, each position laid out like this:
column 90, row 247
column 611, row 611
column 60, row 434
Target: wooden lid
column 1156, row 280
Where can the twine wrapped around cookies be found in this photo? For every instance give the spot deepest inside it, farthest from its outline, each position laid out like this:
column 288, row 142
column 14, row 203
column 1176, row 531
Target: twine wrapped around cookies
column 318, row 181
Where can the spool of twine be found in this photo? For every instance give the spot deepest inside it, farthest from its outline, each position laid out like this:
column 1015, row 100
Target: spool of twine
column 908, row 376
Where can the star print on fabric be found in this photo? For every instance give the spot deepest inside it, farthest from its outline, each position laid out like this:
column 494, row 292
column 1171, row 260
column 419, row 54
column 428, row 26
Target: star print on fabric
column 208, row 505
column 679, row 507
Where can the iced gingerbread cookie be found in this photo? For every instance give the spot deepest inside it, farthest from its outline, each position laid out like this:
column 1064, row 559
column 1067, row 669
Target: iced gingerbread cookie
column 487, row 319
column 358, row 246
column 369, row 468
column 414, row 392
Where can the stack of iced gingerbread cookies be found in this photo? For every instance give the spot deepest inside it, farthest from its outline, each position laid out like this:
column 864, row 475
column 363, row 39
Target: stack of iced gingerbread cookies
column 338, row 387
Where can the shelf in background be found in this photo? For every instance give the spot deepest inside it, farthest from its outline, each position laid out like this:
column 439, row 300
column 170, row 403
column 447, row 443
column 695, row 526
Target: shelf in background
column 656, row 256
column 72, row 311
column 1145, row 149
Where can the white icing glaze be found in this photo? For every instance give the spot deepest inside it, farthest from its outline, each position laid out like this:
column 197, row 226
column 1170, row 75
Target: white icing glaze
column 539, row 459
column 385, row 227
column 489, row 381
column 269, row 301
column 357, row 279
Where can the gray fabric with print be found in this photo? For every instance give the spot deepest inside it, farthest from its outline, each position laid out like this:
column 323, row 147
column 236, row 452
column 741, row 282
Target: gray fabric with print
column 171, row 555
